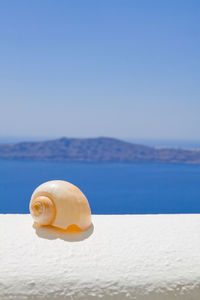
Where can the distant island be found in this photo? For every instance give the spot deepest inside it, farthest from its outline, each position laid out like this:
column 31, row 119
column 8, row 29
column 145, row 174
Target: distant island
column 100, row 149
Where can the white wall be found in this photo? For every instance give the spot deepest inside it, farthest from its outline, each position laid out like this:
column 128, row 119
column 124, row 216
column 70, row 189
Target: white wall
column 143, row 257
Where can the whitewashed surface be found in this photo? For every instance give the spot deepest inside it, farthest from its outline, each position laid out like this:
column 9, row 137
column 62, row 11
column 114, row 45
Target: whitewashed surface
column 143, row 257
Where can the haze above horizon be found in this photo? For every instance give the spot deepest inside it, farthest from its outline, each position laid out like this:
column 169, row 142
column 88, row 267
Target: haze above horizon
column 108, row 68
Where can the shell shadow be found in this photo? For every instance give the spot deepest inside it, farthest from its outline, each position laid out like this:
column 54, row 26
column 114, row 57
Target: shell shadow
column 52, row 233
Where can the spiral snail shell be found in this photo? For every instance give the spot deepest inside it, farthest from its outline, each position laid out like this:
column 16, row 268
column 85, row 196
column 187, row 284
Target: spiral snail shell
column 61, row 204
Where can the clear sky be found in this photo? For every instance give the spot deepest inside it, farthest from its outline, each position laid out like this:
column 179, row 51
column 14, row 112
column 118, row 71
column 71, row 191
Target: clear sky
column 100, row 68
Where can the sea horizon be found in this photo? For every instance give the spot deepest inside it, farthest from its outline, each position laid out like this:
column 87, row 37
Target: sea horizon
column 152, row 142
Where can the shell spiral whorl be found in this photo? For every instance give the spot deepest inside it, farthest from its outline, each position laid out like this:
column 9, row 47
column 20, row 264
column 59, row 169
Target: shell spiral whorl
column 43, row 210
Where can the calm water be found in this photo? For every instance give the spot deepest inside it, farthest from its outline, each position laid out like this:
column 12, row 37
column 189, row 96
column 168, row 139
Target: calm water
column 110, row 188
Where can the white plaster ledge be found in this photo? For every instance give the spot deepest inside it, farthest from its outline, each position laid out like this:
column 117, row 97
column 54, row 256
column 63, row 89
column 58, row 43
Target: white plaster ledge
column 143, row 257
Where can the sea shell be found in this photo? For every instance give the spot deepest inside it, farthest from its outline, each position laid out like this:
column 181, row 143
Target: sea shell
column 61, row 204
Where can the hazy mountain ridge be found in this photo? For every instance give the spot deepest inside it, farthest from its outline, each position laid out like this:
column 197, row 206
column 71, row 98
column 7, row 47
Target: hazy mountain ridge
column 96, row 150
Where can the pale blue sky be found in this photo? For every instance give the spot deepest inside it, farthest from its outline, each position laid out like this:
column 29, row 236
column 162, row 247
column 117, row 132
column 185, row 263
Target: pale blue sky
column 100, row 68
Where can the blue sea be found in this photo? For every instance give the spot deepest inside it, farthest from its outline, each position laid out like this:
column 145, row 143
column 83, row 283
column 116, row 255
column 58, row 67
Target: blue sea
column 111, row 188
